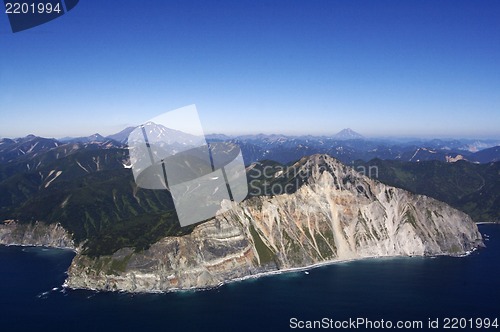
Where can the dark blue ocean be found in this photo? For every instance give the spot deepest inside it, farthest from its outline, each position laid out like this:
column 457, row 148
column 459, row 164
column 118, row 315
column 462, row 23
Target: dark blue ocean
column 395, row 289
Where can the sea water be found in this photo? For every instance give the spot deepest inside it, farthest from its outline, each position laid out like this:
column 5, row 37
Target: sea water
column 391, row 289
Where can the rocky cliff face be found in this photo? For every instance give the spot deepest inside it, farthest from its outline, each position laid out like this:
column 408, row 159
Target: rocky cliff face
column 333, row 214
column 36, row 234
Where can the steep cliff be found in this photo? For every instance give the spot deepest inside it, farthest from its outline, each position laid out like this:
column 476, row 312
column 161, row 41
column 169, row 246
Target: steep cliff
column 35, row 234
column 330, row 213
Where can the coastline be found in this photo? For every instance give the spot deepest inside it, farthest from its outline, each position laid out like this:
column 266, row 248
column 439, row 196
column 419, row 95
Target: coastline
column 269, row 273
column 248, row 277
column 36, row 234
column 322, row 264
column 326, row 290
column 75, row 250
column 466, row 253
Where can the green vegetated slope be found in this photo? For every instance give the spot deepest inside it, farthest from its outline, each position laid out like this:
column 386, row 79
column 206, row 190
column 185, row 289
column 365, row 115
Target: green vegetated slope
column 92, row 195
column 88, row 190
column 472, row 188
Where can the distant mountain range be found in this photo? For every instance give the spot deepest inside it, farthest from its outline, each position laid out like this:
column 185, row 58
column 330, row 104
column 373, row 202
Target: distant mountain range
column 288, row 149
column 347, row 146
column 86, row 183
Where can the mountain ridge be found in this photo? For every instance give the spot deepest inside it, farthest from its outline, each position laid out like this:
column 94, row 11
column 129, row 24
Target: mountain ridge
column 336, row 214
column 286, row 149
column 89, row 189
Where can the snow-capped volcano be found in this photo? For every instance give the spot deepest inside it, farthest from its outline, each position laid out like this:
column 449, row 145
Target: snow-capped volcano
column 348, row 133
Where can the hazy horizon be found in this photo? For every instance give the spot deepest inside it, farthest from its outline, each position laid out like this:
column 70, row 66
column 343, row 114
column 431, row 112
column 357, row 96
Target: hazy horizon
column 374, row 137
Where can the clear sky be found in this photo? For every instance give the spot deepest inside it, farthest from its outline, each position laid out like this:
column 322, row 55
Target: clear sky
column 414, row 68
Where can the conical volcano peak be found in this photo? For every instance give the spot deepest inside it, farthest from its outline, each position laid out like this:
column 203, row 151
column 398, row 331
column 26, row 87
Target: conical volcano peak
column 348, row 133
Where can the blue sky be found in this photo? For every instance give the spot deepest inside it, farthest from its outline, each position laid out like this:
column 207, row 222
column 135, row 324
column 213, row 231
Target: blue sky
column 383, row 68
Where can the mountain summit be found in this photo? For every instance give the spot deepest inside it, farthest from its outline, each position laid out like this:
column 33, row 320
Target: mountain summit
column 348, row 133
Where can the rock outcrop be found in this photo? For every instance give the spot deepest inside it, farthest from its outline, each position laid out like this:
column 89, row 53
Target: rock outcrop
column 333, row 214
column 35, row 234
